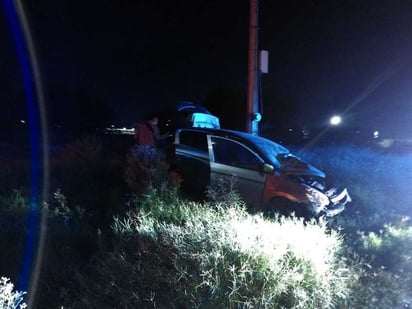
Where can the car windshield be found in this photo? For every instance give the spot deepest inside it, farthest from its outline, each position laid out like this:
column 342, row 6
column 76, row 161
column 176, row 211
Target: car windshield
column 290, row 159
column 271, row 150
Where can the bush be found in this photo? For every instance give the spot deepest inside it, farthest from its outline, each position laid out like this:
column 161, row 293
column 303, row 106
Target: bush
column 223, row 192
column 146, row 169
column 384, row 267
column 10, row 299
column 90, row 181
column 14, row 218
column 70, row 242
column 390, row 249
column 177, row 253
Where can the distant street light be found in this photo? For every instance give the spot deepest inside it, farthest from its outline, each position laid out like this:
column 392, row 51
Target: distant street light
column 335, row 120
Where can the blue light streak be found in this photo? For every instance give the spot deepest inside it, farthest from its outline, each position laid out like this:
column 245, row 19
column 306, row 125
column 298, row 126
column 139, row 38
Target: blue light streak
column 38, row 141
column 34, row 139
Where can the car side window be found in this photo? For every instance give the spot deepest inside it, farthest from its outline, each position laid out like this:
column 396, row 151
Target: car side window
column 196, row 140
column 233, row 153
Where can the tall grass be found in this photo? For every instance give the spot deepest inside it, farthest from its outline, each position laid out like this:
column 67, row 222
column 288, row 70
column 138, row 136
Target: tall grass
column 70, row 243
column 178, row 254
column 164, row 252
column 87, row 189
column 384, row 267
column 10, row 299
column 377, row 225
column 90, row 180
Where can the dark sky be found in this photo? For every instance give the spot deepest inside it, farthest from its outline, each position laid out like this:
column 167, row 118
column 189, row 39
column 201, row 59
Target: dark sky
column 351, row 57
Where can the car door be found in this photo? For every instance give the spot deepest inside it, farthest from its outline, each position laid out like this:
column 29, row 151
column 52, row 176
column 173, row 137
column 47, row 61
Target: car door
column 192, row 162
column 232, row 161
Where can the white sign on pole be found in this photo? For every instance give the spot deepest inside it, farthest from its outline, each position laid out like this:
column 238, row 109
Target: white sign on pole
column 264, row 61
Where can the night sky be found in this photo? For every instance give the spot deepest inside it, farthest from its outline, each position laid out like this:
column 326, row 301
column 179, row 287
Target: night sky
column 350, row 57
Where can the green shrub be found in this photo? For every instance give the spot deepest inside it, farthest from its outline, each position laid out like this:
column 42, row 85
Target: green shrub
column 390, row 249
column 10, row 299
column 89, row 180
column 223, row 191
column 146, row 169
column 177, row 253
column 14, row 215
column 70, row 242
column 15, row 203
column 384, row 267
column 377, row 288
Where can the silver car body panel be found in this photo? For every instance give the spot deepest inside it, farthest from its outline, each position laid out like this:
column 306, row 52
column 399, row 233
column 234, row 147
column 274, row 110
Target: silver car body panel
column 248, row 181
column 223, row 156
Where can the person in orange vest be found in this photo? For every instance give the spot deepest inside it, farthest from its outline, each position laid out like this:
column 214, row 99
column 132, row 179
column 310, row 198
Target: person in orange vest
column 148, row 134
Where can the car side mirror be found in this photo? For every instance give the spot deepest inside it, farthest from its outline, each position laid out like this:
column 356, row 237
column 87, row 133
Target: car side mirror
column 267, row 168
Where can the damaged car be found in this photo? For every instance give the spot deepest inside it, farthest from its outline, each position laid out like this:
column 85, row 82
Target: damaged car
column 266, row 175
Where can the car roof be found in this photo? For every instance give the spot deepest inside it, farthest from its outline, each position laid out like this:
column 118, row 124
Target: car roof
column 252, row 141
column 230, row 133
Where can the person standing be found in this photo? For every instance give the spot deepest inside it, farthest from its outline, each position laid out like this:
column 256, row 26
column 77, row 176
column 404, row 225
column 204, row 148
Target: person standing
column 147, row 133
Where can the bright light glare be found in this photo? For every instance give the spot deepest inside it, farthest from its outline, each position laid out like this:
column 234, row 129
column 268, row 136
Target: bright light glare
column 335, row 120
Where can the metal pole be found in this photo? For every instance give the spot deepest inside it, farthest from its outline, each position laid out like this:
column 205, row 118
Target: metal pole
column 252, row 88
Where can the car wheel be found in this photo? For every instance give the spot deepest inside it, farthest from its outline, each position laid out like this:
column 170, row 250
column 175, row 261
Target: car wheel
column 286, row 207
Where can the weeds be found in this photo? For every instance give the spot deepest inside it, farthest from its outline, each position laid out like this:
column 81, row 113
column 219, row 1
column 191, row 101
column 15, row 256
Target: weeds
column 146, row 169
column 10, row 299
column 376, row 225
column 385, row 268
column 197, row 255
column 223, row 192
column 90, row 181
column 174, row 253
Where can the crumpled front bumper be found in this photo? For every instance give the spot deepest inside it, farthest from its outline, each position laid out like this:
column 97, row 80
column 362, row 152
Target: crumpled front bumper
column 338, row 201
column 327, row 203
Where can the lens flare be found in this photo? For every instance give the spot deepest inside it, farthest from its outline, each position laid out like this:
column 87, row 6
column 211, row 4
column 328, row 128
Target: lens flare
column 39, row 154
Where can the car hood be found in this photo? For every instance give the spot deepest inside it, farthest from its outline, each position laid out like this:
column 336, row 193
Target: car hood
column 292, row 165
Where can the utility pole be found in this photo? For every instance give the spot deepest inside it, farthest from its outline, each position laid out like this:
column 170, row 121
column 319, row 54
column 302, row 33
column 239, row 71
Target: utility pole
column 253, row 116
